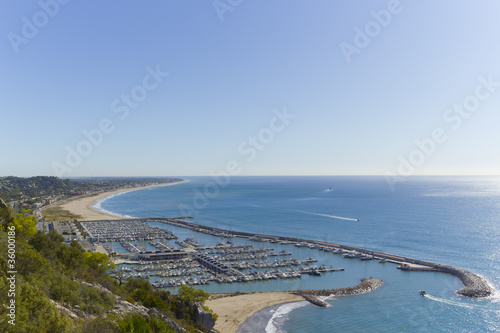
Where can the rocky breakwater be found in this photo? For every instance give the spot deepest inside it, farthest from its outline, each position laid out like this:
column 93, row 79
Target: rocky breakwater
column 367, row 285
column 474, row 285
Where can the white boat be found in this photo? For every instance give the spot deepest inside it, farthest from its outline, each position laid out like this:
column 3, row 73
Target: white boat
column 302, row 244
column 352, row 255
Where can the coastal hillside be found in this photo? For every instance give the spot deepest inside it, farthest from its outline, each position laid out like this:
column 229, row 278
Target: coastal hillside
column 47, row 286
column 29, row 189
column 15, row 188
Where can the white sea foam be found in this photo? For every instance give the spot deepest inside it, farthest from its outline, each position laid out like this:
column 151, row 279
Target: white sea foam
column 495, row 298
column 327, row 298
column 98, row 205
column 496, row 291
column 281, row 315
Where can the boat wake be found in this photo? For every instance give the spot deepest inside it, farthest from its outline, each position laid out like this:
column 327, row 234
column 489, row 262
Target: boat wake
column 450, row 302
column 326, row 215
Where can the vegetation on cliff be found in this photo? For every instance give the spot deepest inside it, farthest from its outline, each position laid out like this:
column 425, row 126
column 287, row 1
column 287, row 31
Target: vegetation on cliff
column 54, row 281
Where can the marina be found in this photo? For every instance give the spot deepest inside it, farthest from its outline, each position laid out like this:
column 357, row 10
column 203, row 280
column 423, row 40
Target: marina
column 224, row 263
column 230, row 263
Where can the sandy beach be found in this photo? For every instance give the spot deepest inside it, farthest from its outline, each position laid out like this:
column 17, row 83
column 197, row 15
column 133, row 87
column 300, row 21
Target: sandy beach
column 234, row 310
column 83, row 206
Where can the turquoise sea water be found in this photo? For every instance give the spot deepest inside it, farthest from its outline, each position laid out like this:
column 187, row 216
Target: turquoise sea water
column 448, row 220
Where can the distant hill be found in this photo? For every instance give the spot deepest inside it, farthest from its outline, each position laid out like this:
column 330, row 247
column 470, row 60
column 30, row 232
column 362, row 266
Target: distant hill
column 16, row 188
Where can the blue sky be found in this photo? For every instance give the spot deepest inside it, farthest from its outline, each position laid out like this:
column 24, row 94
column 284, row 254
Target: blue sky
column 354, row 113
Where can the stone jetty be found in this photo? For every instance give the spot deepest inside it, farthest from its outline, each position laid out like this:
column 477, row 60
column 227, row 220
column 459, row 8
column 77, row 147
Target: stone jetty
column 315, row 301
column 474, row 285
column 367, row 285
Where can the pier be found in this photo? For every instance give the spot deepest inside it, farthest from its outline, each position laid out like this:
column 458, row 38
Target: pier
column 474, row 285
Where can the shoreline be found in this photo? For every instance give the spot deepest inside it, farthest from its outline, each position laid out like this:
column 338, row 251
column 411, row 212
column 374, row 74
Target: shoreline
column 83, row 206
column 264, row 318
column 235, row 309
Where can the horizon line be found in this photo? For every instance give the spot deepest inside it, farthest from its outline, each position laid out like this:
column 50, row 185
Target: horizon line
column 269, row 175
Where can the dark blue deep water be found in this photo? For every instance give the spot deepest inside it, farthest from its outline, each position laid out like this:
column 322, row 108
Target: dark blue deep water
column 448, row 220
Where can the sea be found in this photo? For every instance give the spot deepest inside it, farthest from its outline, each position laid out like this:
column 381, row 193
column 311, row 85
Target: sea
column 444, row 219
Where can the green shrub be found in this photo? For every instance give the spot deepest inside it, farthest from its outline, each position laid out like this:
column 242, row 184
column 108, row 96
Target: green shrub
column 191, row 295
column 138, row 324
column 95, row 301
column 98, row 325
column 35, row 313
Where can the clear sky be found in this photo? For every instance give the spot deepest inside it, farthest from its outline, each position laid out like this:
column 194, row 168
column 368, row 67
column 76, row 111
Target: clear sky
column 355, row 85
